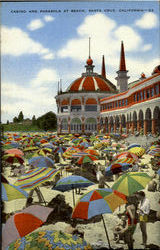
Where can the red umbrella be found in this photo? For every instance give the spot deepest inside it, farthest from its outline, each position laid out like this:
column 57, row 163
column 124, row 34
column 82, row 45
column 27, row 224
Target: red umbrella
column 23, row 223
column 14, row 151
column 127, row 154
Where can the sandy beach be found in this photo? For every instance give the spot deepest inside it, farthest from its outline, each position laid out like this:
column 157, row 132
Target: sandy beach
column 94, row 233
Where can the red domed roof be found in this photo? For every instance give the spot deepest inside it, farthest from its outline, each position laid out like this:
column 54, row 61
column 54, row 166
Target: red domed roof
column 91, row 83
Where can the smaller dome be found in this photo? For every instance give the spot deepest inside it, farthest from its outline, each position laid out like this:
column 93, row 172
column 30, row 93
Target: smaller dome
column 89, row 61
column 143, row 75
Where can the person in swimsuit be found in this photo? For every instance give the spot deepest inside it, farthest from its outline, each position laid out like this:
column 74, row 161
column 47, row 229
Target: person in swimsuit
column 131, row 215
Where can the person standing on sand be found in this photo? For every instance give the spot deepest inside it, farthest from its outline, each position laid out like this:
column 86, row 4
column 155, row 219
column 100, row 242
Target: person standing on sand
column 143, row 211
column 131, row 214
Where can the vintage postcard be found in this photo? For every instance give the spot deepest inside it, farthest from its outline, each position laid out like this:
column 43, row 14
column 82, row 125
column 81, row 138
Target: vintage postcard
column 80, row 125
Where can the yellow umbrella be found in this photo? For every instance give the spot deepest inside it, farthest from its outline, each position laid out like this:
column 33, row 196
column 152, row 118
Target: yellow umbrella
column 137, row 151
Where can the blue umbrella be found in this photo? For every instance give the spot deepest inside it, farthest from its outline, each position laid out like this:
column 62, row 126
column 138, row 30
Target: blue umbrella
column 116, row 168
column 41, row 161
column 133, row 145
column 72, row 182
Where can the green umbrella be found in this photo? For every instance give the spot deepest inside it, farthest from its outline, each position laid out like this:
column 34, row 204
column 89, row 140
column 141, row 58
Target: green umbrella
column 131, row 182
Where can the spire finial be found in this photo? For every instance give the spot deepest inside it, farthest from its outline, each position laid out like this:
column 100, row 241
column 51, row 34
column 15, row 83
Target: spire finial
column 89, row 47
column 122, row 66
column 103, row 72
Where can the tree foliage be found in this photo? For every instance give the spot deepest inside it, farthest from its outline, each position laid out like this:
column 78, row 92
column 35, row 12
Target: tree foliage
column 47, row 121
column 15, row 119
column 34, row 122
column 20, row 116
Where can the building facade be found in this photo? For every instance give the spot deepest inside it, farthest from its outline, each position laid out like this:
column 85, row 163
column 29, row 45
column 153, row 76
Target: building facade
column 79, row 106
column 92, row 103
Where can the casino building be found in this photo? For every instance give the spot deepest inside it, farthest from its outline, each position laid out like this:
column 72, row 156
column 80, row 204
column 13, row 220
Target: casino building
column 79, row 106
column 92, row 103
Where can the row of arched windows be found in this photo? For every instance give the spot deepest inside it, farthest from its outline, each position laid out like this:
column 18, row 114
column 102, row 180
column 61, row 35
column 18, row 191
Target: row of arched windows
column 138, row 96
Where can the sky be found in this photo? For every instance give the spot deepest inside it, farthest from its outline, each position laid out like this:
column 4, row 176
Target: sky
column 43, row 42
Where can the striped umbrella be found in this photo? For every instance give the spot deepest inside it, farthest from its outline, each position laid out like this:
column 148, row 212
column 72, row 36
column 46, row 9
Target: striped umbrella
column 125, row 160
column 35, row 177
column 131, row 182
column 11, row 192
column 79, row 154
column 127, row 154
column 133, row 145
column 137, row 151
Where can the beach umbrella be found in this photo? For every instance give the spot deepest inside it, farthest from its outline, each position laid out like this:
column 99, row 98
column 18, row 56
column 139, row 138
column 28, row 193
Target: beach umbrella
column 125, row 160
column 48, row 145
column 43, row 151
column 60, row 150
column 23, row 223
column 41, row 161
column 133, row 145
column 137, row 151
column 92, row 152
column 87, row 158
column 72, row 149
column 131, row 182
column 79, row 154
column 13, row 158
column 71, row 182
column 34, row 178
column 43, row 141
column 98, row 202
column 126, row 154
column 14, row 151
column 117, row 168
column 12, row 144
column 50, row 239
column 11, row 192
column 27, row 149
column 154, row 153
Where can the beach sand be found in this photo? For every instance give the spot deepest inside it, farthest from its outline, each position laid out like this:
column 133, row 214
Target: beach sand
column 94, row 233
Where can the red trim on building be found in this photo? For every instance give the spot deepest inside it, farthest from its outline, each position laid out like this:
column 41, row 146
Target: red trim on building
column 123, row 93
column 91, row 101
column 139, row 96
column 76, row 102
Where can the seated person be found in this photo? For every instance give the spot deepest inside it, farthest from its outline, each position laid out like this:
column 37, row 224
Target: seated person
column 118, row 235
